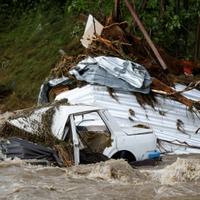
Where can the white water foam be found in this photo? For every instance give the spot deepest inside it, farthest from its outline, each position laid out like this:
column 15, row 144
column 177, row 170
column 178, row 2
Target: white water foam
column 115, row 171
column 183, row 170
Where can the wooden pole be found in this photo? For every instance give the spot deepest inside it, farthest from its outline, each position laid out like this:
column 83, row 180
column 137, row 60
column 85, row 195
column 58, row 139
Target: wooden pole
column 162, row 7
column 148, row 39
column 177, row 34
column 197, row 46
column 117, row 10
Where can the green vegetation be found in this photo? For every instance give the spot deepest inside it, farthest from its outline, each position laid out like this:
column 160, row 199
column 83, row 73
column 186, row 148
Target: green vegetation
column 29, row 49
column 173, row 24
column 33, row 31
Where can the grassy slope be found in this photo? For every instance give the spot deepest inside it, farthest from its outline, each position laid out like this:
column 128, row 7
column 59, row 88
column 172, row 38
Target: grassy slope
column 29, row 51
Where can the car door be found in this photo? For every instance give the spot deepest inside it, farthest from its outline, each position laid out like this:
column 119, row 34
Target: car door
column 75, row 141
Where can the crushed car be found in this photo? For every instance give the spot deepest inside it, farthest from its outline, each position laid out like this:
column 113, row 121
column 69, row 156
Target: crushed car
column 87, row 130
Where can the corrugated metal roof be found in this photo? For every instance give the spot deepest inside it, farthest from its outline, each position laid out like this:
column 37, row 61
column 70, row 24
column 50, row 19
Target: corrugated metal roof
column 162, row 118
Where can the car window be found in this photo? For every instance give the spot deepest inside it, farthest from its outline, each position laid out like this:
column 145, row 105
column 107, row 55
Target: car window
column 93, row 134
column 91, row 122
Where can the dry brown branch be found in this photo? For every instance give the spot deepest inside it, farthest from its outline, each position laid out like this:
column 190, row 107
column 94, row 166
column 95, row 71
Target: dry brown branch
column 109, row 44
column 158, row 85
column 191, row 86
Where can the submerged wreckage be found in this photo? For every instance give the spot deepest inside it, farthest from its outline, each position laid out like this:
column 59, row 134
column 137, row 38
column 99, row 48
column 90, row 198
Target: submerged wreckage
column 86, row 131
column 158, row 97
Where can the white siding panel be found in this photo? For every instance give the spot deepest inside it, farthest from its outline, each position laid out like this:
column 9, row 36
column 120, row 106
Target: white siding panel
column 164, row 126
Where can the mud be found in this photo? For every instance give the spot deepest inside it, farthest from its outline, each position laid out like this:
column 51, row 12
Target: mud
column 5, row 116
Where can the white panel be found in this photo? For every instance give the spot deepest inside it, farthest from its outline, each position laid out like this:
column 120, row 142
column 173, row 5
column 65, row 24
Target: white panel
column 164, row 126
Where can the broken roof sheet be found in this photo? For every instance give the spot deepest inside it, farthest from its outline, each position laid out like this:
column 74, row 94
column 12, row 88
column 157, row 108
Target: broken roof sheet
column 191, row 94
column 93, row 28
column 113, row 72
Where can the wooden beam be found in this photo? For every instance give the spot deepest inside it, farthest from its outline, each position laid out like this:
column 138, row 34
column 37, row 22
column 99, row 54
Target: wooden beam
column 148, row 39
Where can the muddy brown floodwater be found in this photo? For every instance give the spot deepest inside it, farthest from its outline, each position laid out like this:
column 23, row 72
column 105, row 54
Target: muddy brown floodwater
column 174, row 179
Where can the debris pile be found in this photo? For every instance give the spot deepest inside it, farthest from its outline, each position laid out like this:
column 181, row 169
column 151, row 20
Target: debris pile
column 124, row 64
column 30, row 134
column 116, row 46
column 41, row 145
column 121, row 62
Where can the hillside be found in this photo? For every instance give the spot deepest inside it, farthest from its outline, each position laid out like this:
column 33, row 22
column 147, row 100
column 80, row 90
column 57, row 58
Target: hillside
column 29, row 49
column 33, row 32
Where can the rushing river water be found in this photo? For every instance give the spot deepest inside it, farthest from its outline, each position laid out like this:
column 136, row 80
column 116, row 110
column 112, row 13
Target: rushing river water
column 174, row 179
